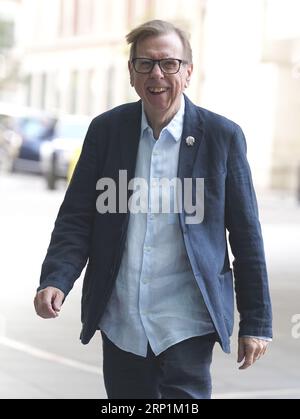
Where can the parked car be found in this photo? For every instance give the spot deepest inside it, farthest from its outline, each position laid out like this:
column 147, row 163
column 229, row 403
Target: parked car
column 22, row 131
column 57, row 154
column 10, row 143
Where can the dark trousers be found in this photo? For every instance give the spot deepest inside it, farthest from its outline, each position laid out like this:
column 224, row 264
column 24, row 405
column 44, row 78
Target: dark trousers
column 180, row 372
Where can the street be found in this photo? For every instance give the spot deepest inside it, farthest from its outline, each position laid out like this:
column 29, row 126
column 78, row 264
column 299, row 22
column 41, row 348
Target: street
column 45, row 359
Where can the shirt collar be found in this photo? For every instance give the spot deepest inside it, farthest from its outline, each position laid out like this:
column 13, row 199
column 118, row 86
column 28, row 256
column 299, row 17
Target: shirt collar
column 174, row 127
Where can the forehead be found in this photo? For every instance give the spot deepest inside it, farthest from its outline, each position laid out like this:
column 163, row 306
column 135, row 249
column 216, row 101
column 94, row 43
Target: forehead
column 161, row 46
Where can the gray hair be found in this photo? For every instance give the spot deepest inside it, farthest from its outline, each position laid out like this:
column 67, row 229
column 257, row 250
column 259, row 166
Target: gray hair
column 157, row 28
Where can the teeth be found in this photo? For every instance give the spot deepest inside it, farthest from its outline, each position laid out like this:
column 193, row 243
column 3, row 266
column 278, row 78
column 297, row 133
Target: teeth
column 157, row 89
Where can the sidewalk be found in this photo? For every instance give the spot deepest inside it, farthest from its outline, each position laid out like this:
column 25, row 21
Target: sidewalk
column 44, row 359
column 278, row 207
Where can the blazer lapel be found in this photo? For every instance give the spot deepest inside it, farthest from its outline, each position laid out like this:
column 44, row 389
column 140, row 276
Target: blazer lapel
column 193, row 125
column 130, row 135
column 129, row 138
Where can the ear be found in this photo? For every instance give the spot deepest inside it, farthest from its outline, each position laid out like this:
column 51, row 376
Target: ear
column 130, row 69
column 189, row 75
column 190, row 72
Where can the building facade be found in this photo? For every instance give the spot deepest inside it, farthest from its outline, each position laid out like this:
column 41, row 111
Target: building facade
column 282, row 49
column 9, row 57
column 75, row 54
column 252, row 75
column 74, row 57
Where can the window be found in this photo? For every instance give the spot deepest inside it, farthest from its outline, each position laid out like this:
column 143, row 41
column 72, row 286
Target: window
column 83, row 11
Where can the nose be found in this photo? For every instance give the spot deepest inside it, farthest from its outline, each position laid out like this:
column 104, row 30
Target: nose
column 156, row 71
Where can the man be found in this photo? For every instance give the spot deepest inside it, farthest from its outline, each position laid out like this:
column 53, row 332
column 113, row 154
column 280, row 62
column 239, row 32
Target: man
column 159, row 285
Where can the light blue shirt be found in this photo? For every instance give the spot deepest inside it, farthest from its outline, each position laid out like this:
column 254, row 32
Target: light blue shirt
column 156, row 298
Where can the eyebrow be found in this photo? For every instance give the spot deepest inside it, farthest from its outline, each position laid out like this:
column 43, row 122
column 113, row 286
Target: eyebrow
column 162, row 57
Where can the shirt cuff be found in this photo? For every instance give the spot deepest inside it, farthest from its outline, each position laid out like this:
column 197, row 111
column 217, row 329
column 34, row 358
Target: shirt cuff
column 258, row 337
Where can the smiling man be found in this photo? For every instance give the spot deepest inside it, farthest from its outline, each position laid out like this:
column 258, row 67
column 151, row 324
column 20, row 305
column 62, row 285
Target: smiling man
column 158, row 75
column 160, row 290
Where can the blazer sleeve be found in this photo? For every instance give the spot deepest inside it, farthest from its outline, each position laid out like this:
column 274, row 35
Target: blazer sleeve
column 70, row 240
column 245, row 238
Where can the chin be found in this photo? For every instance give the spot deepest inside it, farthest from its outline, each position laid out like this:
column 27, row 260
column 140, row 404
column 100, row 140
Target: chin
column 156, row 104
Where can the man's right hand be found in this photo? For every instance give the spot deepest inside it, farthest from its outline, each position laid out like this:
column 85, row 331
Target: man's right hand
column 48, row 302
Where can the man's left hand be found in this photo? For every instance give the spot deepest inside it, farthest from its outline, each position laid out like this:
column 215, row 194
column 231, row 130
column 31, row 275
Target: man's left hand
column 250, row 350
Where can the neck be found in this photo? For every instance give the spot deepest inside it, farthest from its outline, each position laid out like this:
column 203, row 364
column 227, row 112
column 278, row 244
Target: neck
column 158, row 121
column 157, row 125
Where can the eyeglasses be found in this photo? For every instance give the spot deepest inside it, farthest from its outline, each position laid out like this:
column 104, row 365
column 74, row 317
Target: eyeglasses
column 167, row 65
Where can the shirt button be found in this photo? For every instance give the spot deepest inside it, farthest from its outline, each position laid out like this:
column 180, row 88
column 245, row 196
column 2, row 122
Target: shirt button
column 147, row 248
column 145, row 280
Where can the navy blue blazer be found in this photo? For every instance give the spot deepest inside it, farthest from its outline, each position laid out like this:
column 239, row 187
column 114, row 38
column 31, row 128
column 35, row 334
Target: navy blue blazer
column 82, row 235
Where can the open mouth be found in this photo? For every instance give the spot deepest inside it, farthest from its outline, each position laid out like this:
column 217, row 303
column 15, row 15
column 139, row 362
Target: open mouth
column 157, row 90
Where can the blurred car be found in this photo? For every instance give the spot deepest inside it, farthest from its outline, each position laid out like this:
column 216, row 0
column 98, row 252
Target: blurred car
column 10, row 143
column 22, row 131
column 56, row 155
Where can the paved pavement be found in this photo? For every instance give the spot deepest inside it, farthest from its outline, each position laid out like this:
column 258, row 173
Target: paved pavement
column 44, row 359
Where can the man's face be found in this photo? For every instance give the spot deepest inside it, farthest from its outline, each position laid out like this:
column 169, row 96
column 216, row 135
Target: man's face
column 166, row 102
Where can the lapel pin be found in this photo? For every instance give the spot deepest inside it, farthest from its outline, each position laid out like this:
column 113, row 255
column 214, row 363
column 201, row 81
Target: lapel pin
column 190, row 141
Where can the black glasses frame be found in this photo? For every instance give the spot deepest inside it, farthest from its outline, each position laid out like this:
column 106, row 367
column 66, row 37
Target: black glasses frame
column 134, row 60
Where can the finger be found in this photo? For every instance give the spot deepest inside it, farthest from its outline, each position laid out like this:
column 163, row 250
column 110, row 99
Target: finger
column 249, row 357
column 263, row 348
column 46, row 311
column 35, row 303
column 257, row 353
column 248, row 362
column 57, row 302
column 241, row 353
column 43, row 305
